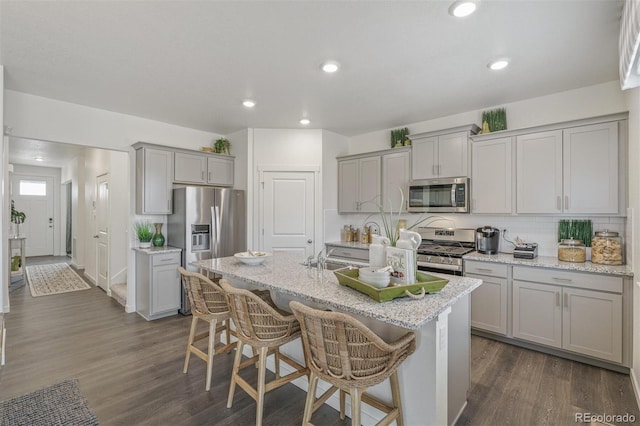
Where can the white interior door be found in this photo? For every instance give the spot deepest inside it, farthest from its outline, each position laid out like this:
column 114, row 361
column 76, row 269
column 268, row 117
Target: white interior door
column 287, row 214
column 34, row 196
column 102, row 231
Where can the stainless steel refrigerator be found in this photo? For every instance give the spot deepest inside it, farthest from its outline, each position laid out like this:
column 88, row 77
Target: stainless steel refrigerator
column 206, row 223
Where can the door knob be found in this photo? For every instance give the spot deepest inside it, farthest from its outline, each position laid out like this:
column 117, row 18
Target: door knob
column 96, row 236
column 309, row 241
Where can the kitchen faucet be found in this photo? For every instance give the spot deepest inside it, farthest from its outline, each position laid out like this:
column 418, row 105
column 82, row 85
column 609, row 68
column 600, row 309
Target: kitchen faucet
column 322, row 260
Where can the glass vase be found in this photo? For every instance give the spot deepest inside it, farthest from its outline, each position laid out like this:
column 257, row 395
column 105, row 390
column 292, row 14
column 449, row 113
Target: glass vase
column 158, row 238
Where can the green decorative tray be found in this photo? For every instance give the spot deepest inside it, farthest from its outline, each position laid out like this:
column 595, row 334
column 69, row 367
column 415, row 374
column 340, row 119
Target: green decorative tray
column 426, row 284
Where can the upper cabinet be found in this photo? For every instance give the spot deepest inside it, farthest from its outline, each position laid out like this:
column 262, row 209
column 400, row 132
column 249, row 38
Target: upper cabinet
column 441, row 154
column 492, row 176
column 367, row 181
column 572, row 170
column 154, row 176
column 203, row 169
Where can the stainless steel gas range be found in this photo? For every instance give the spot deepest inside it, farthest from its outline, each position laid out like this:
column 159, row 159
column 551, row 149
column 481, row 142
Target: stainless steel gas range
column 442, row 249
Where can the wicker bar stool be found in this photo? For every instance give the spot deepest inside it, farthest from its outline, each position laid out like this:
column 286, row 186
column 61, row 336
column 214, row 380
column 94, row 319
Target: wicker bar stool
column 262, row 325
column 349, row 356
column 208, row 303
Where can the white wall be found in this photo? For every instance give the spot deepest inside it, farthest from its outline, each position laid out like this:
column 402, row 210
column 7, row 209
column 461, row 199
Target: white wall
column 4, row 206
column 119, row 216
column 333, row 145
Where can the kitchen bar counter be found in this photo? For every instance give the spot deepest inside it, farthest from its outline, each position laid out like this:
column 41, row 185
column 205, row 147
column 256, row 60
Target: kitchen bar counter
column 158, row 250
column 434, row 381
column 551, row 262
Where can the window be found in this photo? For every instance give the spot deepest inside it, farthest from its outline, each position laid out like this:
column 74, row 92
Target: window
column 36, row 188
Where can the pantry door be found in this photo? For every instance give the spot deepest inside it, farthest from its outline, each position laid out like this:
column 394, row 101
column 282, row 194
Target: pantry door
column 288, row 217
column 34, row 196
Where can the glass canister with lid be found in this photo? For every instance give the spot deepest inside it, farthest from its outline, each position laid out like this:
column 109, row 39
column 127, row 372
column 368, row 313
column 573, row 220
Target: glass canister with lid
column 571, row 250
column 606, row 248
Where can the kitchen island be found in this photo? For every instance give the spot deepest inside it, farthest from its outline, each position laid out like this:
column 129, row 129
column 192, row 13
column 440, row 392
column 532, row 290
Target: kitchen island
column 433, row 392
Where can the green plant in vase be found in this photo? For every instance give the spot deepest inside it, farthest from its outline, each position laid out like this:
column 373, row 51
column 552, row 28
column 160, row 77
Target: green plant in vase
column 144, row 233
column 222, row 146
column 17, row 218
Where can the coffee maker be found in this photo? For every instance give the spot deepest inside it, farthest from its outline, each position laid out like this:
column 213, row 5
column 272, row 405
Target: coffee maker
column 487, row 240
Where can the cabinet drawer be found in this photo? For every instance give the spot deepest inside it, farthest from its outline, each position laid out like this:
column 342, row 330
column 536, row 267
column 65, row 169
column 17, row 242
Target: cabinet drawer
column 485, row 268
column 348, row 253
column 165, row 259
column 609, row 283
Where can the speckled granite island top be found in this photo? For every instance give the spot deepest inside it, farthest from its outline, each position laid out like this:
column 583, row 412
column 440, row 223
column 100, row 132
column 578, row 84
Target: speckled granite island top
column 283, row 272
column 551, row 262
column 158, row 250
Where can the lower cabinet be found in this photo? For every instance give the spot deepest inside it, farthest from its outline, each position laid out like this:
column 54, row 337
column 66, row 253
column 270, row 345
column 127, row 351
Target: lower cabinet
column 157, row 284
column 489, row 301
column 581, row 320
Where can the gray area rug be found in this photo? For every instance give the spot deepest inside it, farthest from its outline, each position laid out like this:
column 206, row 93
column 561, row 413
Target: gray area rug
column 52, row 279
column 60, row 404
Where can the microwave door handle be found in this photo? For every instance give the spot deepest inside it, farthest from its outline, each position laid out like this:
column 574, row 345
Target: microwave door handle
column 453, row 195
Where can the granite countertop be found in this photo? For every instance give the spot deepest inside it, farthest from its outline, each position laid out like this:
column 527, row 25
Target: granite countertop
column 349, row 244
column 551, row 262
column 283, row 272
column 158, row 250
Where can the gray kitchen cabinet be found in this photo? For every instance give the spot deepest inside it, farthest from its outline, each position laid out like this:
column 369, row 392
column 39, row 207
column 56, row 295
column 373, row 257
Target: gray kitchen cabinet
column 571, row 170
column 492, row 176
column 359, row 184
column 577, row 312
column 220, row 170
column 396, row 173
column 158, row 284
column 203, row 169
column 441, row 154
column 489, row 301
column 154, row 177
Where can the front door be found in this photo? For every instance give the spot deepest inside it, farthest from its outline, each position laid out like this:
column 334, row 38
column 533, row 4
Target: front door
column 102, row 231
column 33, row 195
column 288, row 211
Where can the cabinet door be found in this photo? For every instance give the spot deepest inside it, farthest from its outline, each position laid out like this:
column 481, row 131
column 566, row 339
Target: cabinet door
column 220, row 171
column 189, row 168
column 539, row 172
column 537, row 313
column 395, row 178
column 453, row 155
column 489, row 304
column 156, row 172
column 591, row 168
column 592, row 323
column 492, row 176
column 165, row 289
column 348, row 186
column 369, row 183
column 424, row 158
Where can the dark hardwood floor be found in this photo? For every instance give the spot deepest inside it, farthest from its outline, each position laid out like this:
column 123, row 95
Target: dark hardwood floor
column 130, row 371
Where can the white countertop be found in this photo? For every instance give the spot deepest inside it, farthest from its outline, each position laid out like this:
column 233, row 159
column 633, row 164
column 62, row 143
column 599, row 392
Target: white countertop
column 158, row 250
column 551, row 262
column 283, row 272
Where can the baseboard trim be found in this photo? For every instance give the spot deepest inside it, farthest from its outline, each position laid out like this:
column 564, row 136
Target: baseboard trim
column 635, row 385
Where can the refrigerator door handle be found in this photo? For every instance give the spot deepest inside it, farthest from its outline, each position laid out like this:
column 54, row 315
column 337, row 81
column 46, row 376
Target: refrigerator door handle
column 215, row 235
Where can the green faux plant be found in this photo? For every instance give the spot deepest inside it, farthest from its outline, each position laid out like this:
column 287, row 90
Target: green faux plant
column 17, row 217
column 222, row 146
column 496, row 119
column 400, row 137
column 144, row 231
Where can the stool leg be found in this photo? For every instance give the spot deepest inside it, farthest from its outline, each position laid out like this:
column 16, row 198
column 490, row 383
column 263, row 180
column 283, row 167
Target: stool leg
column 192, row 333
column 262, row 372
column 277, row 362
column 234, row 373
column 210, row 352
column 395, row 395
column 342, row 403
column 311, row 398
column 228, row 331
column 356, row 395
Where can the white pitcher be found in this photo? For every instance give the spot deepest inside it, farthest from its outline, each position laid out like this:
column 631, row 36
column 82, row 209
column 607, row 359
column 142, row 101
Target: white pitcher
column 378, row 251
column 409, row 240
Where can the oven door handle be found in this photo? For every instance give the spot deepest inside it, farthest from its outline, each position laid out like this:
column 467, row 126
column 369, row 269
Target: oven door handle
column 440, row 266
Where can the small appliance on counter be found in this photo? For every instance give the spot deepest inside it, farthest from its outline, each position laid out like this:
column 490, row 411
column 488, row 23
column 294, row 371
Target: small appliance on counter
column 487, row 240
column 526, row 251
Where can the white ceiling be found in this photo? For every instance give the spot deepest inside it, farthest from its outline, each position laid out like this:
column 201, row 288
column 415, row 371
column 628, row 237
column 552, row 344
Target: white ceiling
column 192, row 63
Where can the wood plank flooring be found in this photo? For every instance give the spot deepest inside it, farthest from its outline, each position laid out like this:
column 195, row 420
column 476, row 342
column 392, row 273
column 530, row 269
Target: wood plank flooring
column 130, row 370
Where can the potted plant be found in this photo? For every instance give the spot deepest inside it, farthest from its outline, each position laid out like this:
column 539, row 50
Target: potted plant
column 222, row 146
column 17, row 217
column 144, row 232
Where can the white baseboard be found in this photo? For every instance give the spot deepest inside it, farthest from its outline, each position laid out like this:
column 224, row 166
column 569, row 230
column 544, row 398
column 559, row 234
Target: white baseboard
column 635, row 385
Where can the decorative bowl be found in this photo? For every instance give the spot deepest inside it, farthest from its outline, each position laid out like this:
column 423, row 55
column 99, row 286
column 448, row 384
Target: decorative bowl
column 253, row 258
column 374, row 278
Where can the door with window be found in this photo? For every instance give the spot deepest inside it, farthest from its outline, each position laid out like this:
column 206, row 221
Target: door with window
column 34, row 196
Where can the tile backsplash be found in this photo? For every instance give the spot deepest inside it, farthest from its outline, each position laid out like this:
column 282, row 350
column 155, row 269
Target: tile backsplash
column 535, row 229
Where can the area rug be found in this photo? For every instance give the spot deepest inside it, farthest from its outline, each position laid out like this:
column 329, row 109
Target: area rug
column 60, row 404
column 53, row 279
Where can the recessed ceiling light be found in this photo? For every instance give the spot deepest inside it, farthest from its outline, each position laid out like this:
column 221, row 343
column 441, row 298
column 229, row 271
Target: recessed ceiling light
column 38, row 158
column 305, row 121
column 330, row 67
column 498, row 64
column 462, row 8
column 248, row 103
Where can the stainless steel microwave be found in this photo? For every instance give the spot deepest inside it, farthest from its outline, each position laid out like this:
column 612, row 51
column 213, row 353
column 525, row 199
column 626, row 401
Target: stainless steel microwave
column 450, row 195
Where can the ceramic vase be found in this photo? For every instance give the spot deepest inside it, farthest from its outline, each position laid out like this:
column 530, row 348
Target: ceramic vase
column 158, row 238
